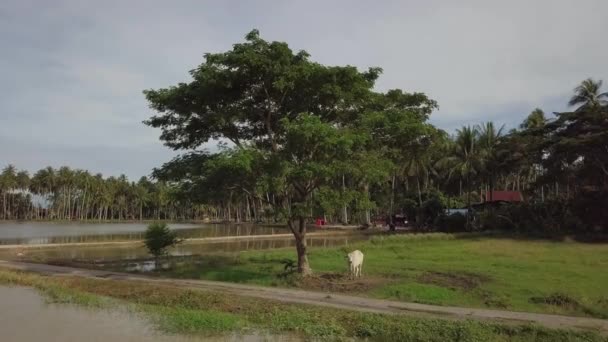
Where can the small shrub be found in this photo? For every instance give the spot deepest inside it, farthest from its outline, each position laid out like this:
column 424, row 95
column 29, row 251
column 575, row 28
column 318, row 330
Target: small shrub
column 159, row 238
column 290, row 267
column 557, row 299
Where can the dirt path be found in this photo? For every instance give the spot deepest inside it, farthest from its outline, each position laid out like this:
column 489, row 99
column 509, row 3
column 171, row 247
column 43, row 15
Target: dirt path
column 331, row 300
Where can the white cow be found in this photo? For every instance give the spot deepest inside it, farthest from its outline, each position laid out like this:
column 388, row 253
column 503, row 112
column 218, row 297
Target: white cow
column 355, row 263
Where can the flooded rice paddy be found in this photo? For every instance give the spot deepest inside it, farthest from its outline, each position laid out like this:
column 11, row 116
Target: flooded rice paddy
column 18, row 233
column 79, row 242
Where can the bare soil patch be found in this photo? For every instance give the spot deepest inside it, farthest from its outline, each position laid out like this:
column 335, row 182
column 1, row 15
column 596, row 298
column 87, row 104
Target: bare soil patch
column 337, row 282
column 455, row 281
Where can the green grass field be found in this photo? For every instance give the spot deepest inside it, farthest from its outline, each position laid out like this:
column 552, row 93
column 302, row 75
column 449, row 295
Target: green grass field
column 564, row 277
column 205, row 313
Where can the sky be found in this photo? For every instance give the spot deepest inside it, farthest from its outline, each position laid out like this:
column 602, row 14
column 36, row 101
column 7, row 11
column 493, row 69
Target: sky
column 72, row 72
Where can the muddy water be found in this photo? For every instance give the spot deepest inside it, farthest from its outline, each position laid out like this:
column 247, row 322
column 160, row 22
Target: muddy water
column 48, row 232
column 26, row 317
column 138, row 251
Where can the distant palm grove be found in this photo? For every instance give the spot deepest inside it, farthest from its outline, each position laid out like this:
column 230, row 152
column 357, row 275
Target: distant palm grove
column 300, row 140
column 66, row 194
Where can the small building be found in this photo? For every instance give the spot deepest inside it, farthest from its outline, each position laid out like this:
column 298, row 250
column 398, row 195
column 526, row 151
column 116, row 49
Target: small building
column 461, row 211
column 502, row 196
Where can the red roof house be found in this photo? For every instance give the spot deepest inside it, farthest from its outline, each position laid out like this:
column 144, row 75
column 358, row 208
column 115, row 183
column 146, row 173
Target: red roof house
column 503, row 196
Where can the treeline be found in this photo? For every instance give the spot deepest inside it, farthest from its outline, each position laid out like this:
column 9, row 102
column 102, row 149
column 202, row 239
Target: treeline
column 303, row 140
column 422, row 179
column 329, row 146
column 67, row 194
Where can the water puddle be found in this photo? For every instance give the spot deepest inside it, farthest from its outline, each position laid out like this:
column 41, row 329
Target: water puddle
column 25, row 317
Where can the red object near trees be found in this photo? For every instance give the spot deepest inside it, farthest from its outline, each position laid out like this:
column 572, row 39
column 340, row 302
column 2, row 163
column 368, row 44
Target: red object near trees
column 503, row 196
column 320, row 222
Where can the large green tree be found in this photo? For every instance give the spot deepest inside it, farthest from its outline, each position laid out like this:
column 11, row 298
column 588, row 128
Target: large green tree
column 297, row 115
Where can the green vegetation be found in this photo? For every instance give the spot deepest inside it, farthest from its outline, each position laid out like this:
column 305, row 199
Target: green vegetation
column 198, row 312
column 66, row 194
column 467, row 270
column 158, row 238
column 310, row 140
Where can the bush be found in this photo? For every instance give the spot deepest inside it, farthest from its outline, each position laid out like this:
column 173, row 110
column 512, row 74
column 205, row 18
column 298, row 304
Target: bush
column 431, row 209
column 159, row 238
column 589, row 208
column 451, row 223
column 494, row 220
column 547, row 218
column 409, row 208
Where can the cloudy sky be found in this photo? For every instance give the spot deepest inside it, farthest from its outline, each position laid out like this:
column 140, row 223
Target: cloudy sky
column 72, row 72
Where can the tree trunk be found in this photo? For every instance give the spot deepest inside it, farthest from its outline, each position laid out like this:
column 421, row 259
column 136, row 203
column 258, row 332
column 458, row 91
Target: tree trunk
column 542, row 193
column 248, row 212
column 468, row 201
column 368, row 219
column 460, row 188
column 391, row 213
column 299, row 233
column 491, row 188
column 344, row 209
column 419, row 192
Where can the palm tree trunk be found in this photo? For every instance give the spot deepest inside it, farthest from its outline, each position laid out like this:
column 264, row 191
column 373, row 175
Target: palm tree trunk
column 460, row 188
column 344, row 209
column 542, row 193
column 392, row 207
column 468, row 201
column 368, row 219
column 419, row 192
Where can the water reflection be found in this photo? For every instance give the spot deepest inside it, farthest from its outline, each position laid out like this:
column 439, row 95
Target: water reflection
column 138, row 251
column 53, row 233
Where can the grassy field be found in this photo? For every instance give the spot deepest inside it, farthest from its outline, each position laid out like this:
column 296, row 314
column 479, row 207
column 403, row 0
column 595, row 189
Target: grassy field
column 562, row 277
column 205, row 313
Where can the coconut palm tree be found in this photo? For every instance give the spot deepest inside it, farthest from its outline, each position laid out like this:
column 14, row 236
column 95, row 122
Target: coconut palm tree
column 489, row 142
column 419, row 163
column 22, row 184
column 587, row 95
column 142, row 198
column 466, row 159
column 8, row 181
column 536, row 119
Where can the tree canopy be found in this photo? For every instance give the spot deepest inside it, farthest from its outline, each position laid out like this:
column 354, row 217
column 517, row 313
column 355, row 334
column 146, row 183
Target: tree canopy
column 296, row 126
